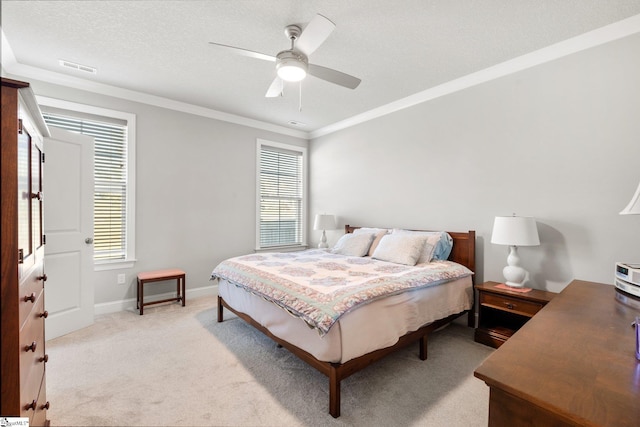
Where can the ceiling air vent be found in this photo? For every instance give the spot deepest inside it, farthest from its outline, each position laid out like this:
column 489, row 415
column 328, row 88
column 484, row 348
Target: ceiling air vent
column 77, row 67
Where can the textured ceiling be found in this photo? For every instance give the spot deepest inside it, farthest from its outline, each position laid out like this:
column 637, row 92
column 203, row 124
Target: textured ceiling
column 398, row 48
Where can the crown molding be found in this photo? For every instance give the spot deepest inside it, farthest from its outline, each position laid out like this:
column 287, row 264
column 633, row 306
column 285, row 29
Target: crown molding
column 11, row 66
column 606, row 34
column 585, row 41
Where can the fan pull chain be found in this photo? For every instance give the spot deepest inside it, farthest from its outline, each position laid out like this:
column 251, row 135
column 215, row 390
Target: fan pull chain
column 300, row 98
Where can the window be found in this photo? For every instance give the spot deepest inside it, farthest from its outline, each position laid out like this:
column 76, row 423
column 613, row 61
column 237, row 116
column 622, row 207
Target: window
column 113, row 193
column 281, row 190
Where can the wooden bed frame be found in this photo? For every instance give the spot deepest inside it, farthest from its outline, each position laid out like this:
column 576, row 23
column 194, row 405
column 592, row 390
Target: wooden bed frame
column 463, row 253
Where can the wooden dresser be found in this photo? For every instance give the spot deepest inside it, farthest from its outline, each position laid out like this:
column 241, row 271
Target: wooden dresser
column 572, row 364
column 22, row 355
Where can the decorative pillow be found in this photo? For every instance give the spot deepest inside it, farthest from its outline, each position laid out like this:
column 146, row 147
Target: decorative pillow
column 352, row 244
column 437, row 246
column 400, row 248
column 379, row 234
column 444, row 246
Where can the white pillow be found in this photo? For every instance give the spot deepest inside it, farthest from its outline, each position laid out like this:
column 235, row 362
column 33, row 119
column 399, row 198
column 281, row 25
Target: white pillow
column 353, row 244
column 430, row 242
column 379, row 233
column 400, row 248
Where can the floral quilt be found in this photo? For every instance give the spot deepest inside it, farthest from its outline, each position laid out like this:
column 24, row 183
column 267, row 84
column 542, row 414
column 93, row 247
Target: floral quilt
column 320, row 287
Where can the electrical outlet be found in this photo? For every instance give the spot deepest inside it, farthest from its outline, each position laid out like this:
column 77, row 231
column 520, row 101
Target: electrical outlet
column 121, row 279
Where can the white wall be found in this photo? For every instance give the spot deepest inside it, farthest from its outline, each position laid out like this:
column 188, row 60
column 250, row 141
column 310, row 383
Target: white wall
column 557, row 142
column 195, row 191
column 560, row 142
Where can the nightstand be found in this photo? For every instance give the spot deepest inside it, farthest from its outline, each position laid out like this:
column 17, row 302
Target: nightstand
column 502, row 312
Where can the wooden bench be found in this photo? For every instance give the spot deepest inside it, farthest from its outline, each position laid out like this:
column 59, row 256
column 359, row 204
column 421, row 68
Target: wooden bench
column 159, row 276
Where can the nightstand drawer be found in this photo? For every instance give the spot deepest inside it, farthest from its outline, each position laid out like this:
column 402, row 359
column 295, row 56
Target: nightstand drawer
column 512, row 305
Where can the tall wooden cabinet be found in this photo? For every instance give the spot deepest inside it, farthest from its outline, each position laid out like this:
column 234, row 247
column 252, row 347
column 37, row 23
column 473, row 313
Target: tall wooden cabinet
column 22, row 355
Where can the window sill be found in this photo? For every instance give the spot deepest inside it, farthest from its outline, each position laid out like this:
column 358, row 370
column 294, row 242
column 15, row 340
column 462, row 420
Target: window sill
column 292, row 248
column 114, row 265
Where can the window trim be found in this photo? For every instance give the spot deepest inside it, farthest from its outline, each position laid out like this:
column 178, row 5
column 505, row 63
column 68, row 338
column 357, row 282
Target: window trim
column 130, row 118
column 305, row 191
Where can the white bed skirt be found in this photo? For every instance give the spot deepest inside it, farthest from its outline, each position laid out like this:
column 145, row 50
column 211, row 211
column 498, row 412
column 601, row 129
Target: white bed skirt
column 376, row 325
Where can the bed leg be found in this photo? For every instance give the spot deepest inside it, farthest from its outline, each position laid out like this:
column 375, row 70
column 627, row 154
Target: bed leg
column 423, row 348
column 220, row 308
column 334, row 393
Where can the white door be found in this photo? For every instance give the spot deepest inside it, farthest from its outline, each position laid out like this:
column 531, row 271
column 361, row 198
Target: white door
column 68, row 222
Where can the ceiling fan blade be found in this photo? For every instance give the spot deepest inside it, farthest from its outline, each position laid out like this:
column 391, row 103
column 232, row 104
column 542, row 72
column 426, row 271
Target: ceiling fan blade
column 245, row 52
column 315, row 33
column 275, row 89
column 334, row 76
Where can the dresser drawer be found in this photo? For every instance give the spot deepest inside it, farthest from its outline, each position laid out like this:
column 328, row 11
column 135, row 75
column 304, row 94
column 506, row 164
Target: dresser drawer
column 39, row 416
column 32, row 354
column 28, row 293
column 512, row 305
column 34, row 405
column 30, row 391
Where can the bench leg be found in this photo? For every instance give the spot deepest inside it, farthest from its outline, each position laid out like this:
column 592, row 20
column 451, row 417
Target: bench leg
column 141, row 296
column 184, row 292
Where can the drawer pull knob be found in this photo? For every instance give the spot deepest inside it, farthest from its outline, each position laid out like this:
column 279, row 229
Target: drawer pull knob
column 45, row 406
column 43, row 278
column 510, row 306
column 31, row 405
column 31, row 347
column 31, row 297
column 45, row 359
column 45, row 314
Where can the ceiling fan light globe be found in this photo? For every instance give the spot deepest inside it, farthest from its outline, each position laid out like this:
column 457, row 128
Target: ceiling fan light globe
column 291, row 71
column 291, row 66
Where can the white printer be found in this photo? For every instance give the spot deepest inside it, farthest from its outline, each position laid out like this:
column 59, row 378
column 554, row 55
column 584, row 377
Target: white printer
column 627, row 278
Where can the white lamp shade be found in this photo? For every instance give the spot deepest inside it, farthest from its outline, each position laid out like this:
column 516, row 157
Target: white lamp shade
column 324, row 222
column 515, row 231
column 634, row 205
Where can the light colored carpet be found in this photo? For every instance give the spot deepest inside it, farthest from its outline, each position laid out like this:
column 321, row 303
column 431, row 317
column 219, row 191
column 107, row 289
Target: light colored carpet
column 177, row 366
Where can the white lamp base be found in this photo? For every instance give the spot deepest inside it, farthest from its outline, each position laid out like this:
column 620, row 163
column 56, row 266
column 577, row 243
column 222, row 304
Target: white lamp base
column 323, row 242
column 516, row 276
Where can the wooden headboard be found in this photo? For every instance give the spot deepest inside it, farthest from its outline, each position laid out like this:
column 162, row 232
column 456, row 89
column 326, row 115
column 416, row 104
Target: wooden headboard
column 464, row 247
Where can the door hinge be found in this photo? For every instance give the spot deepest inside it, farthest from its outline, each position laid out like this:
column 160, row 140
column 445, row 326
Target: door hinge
column 42, row 157
column 20, row 256
column 20, row 126
column 44, row 239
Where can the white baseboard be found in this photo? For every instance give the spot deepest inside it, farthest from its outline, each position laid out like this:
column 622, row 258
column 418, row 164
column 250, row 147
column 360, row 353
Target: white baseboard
column 130, row 304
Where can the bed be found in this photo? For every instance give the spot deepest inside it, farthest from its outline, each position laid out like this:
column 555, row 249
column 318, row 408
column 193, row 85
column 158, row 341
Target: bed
column 343, row 330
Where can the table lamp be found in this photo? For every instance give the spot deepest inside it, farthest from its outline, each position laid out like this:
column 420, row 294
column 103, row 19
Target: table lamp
column 515, row 231
column 324, row 222
column 633, row 208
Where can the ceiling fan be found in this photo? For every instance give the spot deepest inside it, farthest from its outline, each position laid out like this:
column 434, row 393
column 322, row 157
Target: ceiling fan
column 293, row 65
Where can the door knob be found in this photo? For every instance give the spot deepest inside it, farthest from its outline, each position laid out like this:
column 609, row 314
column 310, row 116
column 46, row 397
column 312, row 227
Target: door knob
column 88, row 240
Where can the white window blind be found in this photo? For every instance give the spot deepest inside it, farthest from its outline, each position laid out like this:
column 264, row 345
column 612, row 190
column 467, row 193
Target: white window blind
column 281, row 187
column 110, row 174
